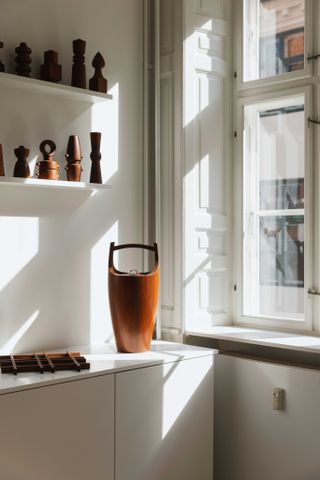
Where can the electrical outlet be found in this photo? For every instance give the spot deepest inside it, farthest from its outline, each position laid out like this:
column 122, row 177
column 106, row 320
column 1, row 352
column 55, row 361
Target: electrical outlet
column 278, row 399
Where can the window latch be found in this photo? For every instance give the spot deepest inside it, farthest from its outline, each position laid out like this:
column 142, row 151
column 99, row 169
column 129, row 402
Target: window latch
column 311, row 120
column 313, row 291
column 313, row 57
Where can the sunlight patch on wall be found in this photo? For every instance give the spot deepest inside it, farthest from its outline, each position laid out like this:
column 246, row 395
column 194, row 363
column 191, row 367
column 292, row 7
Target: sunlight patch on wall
column 105, row 119
column 176, row 392
column 100, row 323
column 16, row 337
column 19, row 243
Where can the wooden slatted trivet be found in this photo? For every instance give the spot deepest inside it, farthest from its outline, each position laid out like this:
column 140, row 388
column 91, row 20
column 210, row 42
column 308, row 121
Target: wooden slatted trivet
column 43, row 362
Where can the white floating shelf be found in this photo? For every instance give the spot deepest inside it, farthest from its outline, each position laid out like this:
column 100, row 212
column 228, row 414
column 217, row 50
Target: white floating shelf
column 52, row 184
column 47, row 88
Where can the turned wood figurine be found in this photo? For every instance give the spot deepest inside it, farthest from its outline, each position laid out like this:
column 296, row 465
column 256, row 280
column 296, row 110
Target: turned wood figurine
column 73, row 157
column 51, row 71
column 2, row 69
column 78, row 78
column 95, row 173
column 48, row 167
column 23, row 60
column 21, row 168
column 1, row 162
column 98, row 83
column 133, row 299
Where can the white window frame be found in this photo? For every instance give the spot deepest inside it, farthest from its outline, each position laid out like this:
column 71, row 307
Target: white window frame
column 305, row 73
column 263, row 321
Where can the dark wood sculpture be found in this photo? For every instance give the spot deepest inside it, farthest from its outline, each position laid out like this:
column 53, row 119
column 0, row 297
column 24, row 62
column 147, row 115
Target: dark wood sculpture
column 23, row 60
column 95, row 173
column 73, row 157
column 1, row 162
column 98, row 83
column 2, row 69
column 78, row 78
column 21, row 168
column 48, row 167
column 133, row 299
column 51, row 71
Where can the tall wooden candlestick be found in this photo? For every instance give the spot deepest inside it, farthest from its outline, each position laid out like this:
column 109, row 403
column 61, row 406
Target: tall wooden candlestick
column 1, row 162
column 78, row 78
column 2, row 69
column 95, row 174
column 73, row 157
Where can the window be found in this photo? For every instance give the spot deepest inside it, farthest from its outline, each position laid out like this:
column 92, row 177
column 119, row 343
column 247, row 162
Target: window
column 274, row 208
column 273, row 164
column 273, row 37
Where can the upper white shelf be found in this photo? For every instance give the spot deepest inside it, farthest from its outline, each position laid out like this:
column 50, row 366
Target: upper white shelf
column 49, row 88
column 60, row 184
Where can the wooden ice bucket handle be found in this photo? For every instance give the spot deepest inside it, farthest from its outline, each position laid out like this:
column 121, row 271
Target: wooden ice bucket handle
column 133, row 299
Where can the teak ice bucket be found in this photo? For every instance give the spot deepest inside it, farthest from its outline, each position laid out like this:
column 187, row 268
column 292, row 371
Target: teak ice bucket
column 133, row 299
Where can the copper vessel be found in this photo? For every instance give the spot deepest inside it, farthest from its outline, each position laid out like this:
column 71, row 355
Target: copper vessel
column 133, row 299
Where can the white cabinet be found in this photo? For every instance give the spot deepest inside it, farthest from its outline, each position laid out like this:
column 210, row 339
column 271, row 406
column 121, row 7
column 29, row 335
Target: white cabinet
column 59, row 432
column 164, row 422
column 145, row 416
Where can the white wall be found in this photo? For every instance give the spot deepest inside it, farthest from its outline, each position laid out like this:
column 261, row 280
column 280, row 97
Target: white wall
column 53, row 245
column 253, row 441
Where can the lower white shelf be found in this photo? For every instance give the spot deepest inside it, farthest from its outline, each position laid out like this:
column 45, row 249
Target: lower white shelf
column 55, row 184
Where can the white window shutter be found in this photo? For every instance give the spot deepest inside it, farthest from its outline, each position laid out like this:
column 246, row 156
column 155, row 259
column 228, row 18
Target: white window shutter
column 207, row 175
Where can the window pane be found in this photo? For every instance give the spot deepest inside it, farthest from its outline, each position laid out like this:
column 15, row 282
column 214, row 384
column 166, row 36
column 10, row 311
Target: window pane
column 281, row 266
column 274, row 171
column 281, row 158
column 273, row 37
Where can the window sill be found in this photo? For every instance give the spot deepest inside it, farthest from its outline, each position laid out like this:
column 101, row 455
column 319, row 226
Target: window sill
column 223, row 335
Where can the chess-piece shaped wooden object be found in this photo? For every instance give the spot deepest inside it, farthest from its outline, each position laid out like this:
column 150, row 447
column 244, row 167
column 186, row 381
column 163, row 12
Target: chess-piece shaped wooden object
column 2, row 69
column 1, row 162
column 95, row 155
column 98, row 83
column 21, row 168
column 51, row 71
column 48, row 167
column 23, row 60
column 73, row 158
column 78, row 78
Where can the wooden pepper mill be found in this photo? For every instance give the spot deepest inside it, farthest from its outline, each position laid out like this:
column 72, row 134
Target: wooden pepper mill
column 1, row 162
column 73, row 157
column 23, row 60
column 98, row 83
column 51, row 71
column 48, row 167
column 95, row 155
column 21, row 168
column 2, row 69
column 78, row 78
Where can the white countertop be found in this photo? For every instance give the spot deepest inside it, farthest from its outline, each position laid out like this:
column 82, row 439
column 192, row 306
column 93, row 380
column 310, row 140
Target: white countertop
column 103, row 359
